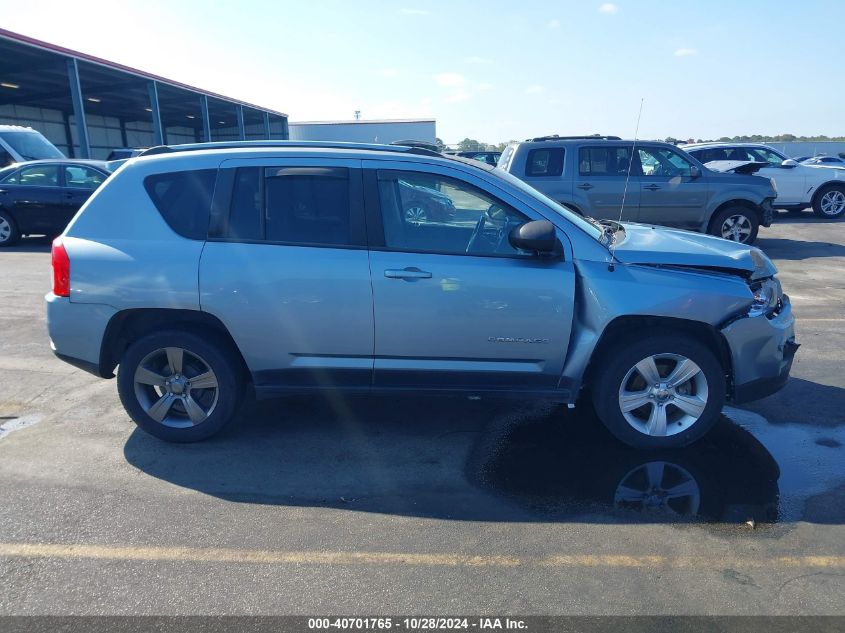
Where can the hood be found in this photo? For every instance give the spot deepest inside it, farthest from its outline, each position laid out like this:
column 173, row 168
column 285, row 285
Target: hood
column 661, row 246
column 736, row 166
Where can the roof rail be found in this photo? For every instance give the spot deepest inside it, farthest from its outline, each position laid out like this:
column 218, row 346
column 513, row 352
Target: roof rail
column 418, row 144
column 190, row 147
column 555, row 137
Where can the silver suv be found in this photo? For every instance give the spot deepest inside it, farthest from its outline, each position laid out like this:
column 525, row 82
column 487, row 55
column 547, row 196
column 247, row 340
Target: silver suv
column 659, row 184
column 209, row 272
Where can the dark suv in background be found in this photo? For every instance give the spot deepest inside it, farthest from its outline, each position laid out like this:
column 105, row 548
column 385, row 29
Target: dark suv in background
column 658, row 183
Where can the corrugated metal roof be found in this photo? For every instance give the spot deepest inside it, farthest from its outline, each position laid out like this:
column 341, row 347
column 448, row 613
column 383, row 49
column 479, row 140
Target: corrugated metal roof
column 60, row 50
column 362, row 122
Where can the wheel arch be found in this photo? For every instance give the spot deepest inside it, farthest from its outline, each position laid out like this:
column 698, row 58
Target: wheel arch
column 736, row 202
column 820, row 189
column 127, row 326
column 637, row 325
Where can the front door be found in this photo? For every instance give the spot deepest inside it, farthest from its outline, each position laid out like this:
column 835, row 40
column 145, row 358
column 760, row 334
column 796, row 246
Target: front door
column 35, row 197
column 455, row 305
column 286, row 270
column 669, row 193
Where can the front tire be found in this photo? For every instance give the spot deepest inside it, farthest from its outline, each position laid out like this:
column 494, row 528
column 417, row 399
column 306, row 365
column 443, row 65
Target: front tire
column 662, row 391
column 178, row 387
column 735, row 223
column 830, row 202
column 9, row 234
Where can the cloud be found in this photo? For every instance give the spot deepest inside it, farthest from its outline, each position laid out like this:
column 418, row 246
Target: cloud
column 554, row 24
column 450, row 80
column 608, row 8
column 413, row 11
column 484, row 86
column 685, row 52
column 535, row 89
column 458, row 96
column 475, row 59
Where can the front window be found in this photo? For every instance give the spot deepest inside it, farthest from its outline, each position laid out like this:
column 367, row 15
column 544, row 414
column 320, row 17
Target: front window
column 31, row 145
column 661, row 161
column 425, row 212
column 35, row 176
column 766, row 156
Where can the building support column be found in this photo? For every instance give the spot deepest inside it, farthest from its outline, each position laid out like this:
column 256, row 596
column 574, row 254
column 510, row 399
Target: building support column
column 206, row 121
column 267, row 125
column 78, row 109
column 241, row 126
column 158, row 130
column 123, row 138
column 285, row 129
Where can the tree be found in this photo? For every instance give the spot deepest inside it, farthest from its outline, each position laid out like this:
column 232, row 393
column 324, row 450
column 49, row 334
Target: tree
column 470, row 145
column 441, row 146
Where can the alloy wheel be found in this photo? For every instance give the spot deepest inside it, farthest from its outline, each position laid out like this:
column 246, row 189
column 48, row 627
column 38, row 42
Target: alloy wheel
column 736, row 228
column 663, row 394
column 5, row 230
column 175, row 387
column 833, row 202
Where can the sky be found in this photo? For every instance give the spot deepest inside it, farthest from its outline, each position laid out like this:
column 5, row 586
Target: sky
column 488, row 70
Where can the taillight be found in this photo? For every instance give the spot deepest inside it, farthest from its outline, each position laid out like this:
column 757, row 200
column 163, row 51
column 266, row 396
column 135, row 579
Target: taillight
column 61, row 269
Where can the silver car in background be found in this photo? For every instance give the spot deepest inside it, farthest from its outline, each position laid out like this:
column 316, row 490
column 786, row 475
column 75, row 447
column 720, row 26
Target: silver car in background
column 207, row 272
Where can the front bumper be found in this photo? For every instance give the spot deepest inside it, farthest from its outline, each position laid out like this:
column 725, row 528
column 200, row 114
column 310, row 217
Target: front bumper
column 762, row 350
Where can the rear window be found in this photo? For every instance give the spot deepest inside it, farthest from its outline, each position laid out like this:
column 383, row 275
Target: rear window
column 604, row 161
column 184, row 200
column 292, row 205
column 545, row 162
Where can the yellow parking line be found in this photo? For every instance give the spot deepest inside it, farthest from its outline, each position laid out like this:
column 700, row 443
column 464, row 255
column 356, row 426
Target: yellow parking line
column 222, row 555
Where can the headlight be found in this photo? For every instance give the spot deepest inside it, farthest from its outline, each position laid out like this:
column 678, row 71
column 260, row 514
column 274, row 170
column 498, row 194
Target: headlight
column 768, row 295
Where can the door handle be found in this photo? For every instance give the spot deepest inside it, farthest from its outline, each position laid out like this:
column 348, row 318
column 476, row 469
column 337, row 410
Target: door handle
column 585, row 186
column 407, row 273
column 652, row 187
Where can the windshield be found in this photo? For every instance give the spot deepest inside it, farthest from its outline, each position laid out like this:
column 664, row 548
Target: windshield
column 31, row 145
column 593, row 230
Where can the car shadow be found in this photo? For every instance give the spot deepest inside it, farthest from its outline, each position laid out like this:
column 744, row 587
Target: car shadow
column 796, row 250
column 452, row 458
column 803, row 402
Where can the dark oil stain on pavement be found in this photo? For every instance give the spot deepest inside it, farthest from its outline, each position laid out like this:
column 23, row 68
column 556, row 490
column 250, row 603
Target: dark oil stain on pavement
column 455, row 459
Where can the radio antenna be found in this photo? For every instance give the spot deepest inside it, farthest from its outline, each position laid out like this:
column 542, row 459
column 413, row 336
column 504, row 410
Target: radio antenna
column 627, row 177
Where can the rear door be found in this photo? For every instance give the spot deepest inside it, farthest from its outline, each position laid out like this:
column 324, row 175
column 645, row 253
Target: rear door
column 286, row 269
column 34, row 196
column 669, row 193
column 78, row 183
column 607, row 184
column 455, row 306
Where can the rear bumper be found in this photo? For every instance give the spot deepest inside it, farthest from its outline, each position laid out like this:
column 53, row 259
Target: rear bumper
column 76, row 331
column 762, row 350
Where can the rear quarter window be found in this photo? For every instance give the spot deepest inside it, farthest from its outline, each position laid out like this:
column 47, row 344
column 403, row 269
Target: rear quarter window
column 544, row 162
column 184, row 200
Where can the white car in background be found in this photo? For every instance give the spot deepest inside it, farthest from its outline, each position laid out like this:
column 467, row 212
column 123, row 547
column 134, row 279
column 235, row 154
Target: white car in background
column 799, row 186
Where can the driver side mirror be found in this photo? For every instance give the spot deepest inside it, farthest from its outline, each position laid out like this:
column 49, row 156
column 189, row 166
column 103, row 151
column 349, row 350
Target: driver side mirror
column 538, row 236
column 789, row 163
column 694, row 172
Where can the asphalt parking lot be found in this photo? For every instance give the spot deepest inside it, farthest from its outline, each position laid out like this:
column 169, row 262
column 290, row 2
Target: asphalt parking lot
column 446, row 506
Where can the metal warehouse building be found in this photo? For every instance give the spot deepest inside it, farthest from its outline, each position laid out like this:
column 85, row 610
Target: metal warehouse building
column 88, row 106
column 360, row 131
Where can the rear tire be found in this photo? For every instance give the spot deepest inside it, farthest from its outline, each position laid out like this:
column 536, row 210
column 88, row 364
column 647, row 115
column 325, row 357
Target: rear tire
column 735, row 223
column 676, row 383
column 830, row 202
column 9, row 234
column 178, row 387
